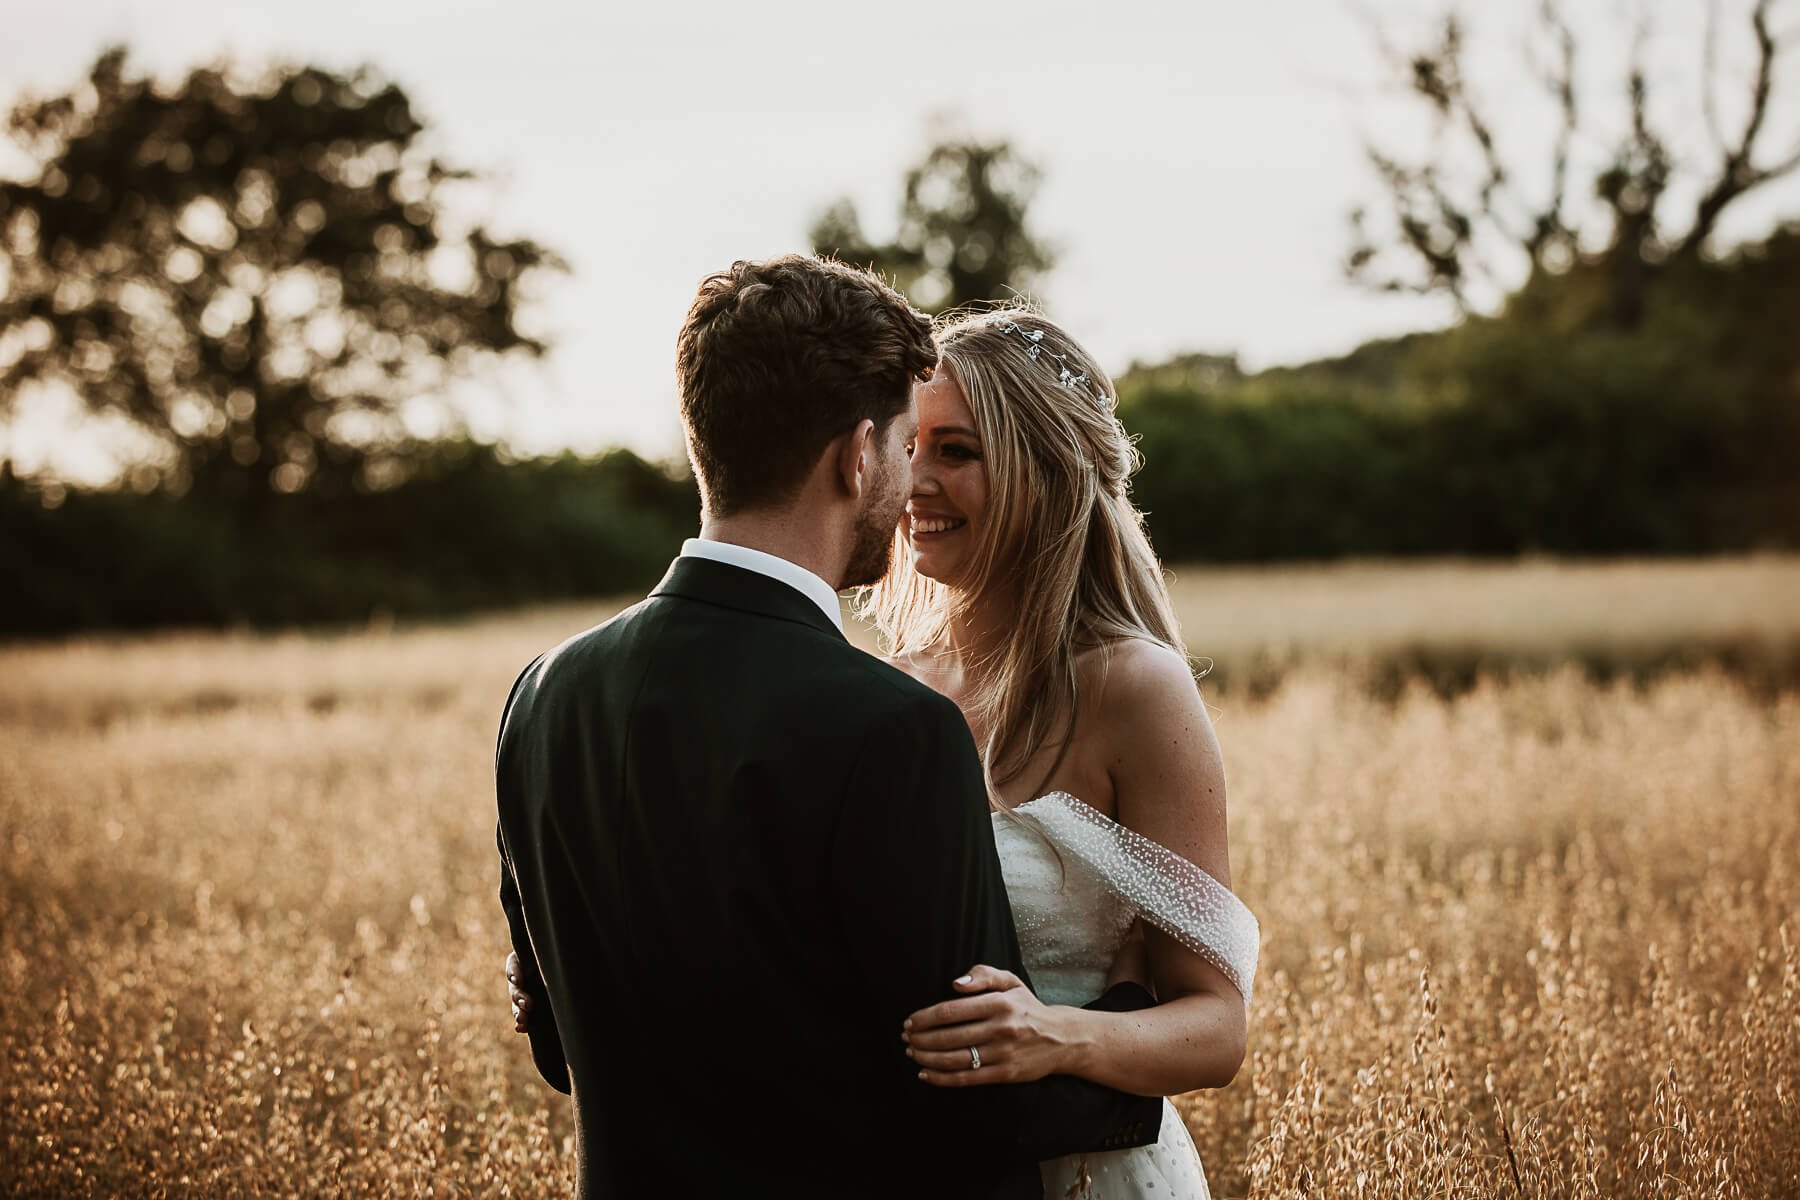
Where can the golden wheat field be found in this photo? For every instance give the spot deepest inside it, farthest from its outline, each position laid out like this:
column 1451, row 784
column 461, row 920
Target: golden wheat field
column 1530, row 929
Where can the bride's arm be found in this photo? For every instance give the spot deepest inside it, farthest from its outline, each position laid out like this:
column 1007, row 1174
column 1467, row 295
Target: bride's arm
column 1169, row 786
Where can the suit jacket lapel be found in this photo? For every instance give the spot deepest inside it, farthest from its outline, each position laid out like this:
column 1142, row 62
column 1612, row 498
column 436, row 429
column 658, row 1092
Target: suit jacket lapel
column 725, row 586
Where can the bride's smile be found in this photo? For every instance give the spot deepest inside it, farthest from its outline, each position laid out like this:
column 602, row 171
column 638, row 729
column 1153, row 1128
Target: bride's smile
column 922, row 525
column 949, row 481
column 1031, row 597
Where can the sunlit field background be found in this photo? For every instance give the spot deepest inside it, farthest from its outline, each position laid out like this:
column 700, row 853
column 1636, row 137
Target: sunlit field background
column 364, row 330
column 1523, row 841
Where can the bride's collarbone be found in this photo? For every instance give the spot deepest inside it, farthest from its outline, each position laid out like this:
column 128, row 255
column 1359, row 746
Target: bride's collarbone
column 1079, row 771
column 1080, row 775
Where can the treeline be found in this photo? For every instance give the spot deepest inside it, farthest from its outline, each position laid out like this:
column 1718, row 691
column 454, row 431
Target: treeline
column 469, row 530
column 1545, row 429
column 1539, row 430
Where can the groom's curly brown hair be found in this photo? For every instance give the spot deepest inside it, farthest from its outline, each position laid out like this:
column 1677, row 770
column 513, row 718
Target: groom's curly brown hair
column 777, row 358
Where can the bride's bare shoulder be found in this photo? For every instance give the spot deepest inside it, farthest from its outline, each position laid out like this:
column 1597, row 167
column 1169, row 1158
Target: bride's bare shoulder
column 1129, row 672
column 1144, row 703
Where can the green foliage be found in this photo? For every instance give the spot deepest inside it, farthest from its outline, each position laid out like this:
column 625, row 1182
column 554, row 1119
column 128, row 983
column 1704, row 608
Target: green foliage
column 469, row 530
column 1539, row 430
column 962, row 236
column 1499, row 437
column 254, row 273
column 1294, row 475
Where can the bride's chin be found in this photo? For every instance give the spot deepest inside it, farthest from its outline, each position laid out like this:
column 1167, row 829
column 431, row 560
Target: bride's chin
column 923, row 564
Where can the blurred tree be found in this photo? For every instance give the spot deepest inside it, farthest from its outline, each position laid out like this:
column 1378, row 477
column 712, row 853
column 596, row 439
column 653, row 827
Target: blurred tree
column 1193, row 373
column 1453, row 218
column 962, row 235
column 255, row 273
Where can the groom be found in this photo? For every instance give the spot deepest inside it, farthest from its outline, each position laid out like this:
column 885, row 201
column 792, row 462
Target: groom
column 737, row 850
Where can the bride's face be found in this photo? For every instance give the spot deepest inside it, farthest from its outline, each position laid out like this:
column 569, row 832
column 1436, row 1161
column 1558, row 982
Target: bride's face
column 949, row 481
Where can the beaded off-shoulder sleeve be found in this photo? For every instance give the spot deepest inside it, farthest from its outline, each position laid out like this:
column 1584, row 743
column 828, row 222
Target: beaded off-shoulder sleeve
column 1166, row 889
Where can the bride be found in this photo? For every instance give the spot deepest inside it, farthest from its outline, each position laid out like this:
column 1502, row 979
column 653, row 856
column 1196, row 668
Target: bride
column 1027, row 592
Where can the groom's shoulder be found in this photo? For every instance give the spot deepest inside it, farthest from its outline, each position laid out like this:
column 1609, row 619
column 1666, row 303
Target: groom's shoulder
column 601, row 636
column 882, row 679
column 872, row 693
column 819, row 661
column 568, row 656
column 801, row 669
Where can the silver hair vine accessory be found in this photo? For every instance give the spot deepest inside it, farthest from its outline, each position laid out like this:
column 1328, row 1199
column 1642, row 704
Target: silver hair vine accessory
column 1034, row 349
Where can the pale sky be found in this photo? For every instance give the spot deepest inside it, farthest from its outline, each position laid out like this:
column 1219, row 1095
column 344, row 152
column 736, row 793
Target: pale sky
column 1199, row 159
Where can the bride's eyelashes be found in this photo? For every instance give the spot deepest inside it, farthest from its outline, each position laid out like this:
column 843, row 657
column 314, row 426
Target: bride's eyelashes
column 950, row 450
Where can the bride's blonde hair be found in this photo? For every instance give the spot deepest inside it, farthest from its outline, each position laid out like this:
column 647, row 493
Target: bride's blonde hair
column 1060, row 529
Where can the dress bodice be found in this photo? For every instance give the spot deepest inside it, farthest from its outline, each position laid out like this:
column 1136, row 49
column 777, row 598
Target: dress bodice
column 1077, row 879
column 1071, row 924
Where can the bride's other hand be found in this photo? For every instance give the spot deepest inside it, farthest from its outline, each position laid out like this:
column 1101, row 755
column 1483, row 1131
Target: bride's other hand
column 521, row 1003
column 1018, row 1037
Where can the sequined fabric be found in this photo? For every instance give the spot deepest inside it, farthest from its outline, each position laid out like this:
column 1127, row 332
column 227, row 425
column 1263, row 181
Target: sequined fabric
column 1169, row 891
column 1077, row 879
column 1071, row 921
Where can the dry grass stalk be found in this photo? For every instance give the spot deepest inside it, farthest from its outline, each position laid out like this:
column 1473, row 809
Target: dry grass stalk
column 1535, row 940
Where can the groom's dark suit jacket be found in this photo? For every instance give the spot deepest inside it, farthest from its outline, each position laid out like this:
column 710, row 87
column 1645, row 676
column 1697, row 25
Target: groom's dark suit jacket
column 739, row 852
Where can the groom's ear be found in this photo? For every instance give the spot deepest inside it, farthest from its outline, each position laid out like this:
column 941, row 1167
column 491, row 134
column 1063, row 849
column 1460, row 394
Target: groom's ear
column 854, row 458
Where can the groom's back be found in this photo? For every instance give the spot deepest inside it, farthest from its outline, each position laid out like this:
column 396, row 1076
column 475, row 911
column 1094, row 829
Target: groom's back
column 671, row 786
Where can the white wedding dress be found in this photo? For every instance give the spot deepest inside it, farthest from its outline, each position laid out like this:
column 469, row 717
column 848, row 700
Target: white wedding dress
column 1077, row 879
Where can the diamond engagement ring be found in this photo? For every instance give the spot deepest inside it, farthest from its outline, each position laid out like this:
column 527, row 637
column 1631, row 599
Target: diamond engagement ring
column 974, row 1059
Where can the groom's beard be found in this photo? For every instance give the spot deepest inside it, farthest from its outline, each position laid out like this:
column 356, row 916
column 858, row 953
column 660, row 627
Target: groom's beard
column 873, row 551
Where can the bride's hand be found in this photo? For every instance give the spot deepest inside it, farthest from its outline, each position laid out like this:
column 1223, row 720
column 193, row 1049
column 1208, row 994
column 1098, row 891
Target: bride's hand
column 1018, row 1037
column 521, row 1003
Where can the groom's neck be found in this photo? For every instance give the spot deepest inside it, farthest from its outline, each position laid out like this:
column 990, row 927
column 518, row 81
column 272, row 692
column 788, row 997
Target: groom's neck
column 783, row 533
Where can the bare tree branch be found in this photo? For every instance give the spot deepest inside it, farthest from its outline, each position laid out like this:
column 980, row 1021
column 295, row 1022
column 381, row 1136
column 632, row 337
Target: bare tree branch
column 1459, row 199
column 1437, row 227
column 1632, row 187
column 1738, row 173
column 1709, row 77
column 1781, row 167
column 1462, row 106
column 1437, row 230
column 1548, row 228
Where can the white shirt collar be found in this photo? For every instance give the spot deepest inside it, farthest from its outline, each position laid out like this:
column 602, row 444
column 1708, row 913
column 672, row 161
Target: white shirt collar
column 775, row 567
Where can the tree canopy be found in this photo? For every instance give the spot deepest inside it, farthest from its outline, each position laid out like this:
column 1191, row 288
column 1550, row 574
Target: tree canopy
column 963, row 235
column 257, row 273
